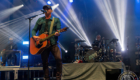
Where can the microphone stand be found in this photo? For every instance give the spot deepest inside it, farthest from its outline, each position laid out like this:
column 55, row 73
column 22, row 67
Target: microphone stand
column 30, row 19
column 127, row 51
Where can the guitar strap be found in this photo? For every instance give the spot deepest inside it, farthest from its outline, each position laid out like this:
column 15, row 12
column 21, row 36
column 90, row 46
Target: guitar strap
column 51, row 27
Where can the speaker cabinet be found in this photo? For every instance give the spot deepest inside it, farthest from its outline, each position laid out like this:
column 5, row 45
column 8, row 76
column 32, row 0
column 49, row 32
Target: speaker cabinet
column 113, row 74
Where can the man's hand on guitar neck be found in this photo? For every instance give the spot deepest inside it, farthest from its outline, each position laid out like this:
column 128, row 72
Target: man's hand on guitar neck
column 57, row 34
column 36, row 38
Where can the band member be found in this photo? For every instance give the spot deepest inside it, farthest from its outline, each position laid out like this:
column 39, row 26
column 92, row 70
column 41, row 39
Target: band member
column 43, row 26
column 97, row 43
column 8, row 53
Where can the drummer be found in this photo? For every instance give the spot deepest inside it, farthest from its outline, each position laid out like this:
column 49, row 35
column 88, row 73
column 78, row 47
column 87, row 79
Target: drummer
column 97, row 43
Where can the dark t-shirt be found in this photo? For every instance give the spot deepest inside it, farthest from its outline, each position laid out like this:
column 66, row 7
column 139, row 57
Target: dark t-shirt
column 46, row 26
column 11, row 47
column 96, row 43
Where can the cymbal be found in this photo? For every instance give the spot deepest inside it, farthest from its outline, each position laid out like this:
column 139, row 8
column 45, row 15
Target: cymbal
column 114, row 40
column 79, row 41
column 105, row 39
column 86, row 46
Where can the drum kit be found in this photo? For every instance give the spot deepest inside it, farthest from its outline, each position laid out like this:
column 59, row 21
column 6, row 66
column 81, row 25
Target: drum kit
column 105, row 53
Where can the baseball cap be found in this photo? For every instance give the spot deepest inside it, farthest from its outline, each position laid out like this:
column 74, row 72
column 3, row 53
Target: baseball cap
column 47, row 6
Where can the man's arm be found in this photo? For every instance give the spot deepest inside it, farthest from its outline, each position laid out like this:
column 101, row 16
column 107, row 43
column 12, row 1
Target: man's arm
column 58, row 27
column 35, row 29
column 58, row 24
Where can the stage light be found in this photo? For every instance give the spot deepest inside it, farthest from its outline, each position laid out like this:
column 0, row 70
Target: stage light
column 17, row 20
column 121, row 15
column 9, row 28
column 22, row 5
column 70, row 1
column 66, row 51
column 73, row 30
column 25, row 42
column 138, row 1
column 123, row 49
column 55, row 6
column 13, row 31
column 62, row 47
column 7, row 12
column 49, row 2
column 25, row 57
column 118, row 26
column 77, row 23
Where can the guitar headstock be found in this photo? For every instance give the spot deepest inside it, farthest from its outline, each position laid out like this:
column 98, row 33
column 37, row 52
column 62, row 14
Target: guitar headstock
column 64, row 29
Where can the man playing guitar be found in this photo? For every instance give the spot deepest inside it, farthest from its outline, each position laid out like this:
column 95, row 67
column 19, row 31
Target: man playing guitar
column 43, row 25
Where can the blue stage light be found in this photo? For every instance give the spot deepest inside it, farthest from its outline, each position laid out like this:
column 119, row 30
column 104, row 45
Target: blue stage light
column 49, row 2
column 25, row 42
column 71, row 1
column 138, row 1
column 25, row 57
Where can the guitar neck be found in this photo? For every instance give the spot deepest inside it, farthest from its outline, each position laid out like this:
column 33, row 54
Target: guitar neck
column 42, row 40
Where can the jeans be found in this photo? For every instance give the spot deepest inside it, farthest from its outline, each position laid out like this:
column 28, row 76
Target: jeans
column 54, row 49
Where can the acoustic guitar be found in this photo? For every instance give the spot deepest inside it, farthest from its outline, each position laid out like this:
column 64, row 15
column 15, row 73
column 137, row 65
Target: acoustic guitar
column 37, row 47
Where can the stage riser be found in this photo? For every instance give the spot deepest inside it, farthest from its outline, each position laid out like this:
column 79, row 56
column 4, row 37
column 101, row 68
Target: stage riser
column 92, row 71
column 23, row 75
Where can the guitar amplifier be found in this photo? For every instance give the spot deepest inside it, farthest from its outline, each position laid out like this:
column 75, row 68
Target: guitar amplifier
column 113, row 74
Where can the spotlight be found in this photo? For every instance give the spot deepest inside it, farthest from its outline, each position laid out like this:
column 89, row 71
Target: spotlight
column 7, row 12
column 25, row 42
column 49, row 2
column 70, row 1
column 66, row 51
column 25, row 57
column 55, row 6
column 123, row 49
column 117, row 27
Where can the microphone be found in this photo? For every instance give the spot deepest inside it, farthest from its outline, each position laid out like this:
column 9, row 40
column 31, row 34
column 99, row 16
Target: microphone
column 44, row 11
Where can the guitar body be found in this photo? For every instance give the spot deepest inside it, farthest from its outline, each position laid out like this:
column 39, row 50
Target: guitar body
column 35, row 49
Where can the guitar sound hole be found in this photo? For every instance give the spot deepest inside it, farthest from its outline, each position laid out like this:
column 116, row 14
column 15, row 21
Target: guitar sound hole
column 38, row 45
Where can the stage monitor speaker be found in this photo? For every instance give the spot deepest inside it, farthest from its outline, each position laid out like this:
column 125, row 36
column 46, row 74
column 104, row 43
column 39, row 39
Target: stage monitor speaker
column 113, row 74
